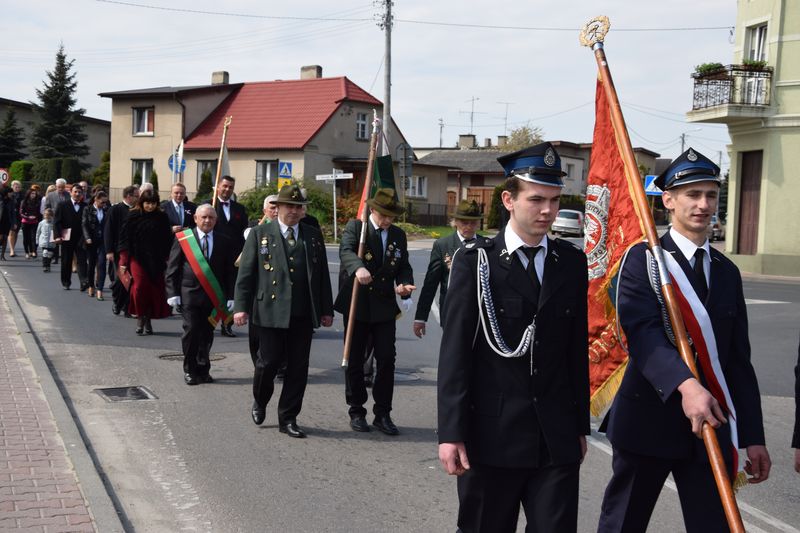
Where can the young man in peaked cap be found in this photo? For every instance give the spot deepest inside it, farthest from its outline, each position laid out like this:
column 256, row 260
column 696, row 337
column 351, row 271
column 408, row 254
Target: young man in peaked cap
column 466, row 219
column 513, row 387
column 384, row 273
column 660, row 404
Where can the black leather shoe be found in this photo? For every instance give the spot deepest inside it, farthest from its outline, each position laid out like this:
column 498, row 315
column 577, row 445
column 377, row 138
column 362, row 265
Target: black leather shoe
column 207, row 379
column 227, row 331
column 258, row 413
column 385, row 425
column 359, row 423
column 190, row 379
column 291, row 429
column 115, row 308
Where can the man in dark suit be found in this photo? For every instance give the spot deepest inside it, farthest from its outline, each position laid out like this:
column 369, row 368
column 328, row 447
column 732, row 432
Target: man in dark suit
column 184, row 289
column 231, row 221
column 117, row 214
column 513, row 385
column 659, row 403
column 465, row 220
column 796, row 436
column 179, row 210
column 383, row 273
column 284, row 287
column 68, row 218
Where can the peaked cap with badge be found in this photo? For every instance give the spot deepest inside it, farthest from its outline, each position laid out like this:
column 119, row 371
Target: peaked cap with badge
column 467, row 210
column 690, row 167
column 539, row 164
column 291, row 194
column 385, row 203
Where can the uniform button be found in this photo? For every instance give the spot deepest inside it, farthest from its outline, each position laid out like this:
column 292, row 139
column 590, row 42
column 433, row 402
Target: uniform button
column 535, row 371
column 274, row 282
column 273, row 296
column 567, row 312
column 661, row 392
column 502, row 310
column 535, row 399
column 536, row 343
column 291, row 258
column 291, row 270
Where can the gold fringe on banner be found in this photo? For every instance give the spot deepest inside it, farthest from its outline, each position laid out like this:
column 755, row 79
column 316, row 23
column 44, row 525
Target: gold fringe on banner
column 604, row 395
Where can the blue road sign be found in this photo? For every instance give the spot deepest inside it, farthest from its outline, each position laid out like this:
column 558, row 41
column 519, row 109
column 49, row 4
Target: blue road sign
column 284, row 169
column 650, row 188
column 181, row 167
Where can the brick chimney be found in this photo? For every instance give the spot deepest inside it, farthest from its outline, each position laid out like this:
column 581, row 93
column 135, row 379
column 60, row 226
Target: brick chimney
column 466, row 141
column 219, row 77
column 310, row 72
column 502, row 140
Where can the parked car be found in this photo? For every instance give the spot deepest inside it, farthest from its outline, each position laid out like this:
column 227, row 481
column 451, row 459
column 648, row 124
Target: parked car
column 569, row 222
column 717, row 229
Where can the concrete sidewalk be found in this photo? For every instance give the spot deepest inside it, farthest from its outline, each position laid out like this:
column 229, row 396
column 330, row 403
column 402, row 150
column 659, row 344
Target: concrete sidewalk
column 48, row 481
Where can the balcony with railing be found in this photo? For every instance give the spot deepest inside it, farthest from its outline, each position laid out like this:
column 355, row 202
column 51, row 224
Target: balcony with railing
column 732, row 93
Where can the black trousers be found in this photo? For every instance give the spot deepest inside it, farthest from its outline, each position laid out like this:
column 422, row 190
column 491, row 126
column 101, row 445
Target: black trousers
column 253, row 341
column 29, row 238
column 68, row 250
column 490, row 497
column 637, row 481
column 383, row 337
column 279, row 347
column 118, row 293
column 198, row 336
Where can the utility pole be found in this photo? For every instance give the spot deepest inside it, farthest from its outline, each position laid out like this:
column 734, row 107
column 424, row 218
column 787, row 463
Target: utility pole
column 683, row 142
column 441, row 129
column 505, row 117
column 386, row 25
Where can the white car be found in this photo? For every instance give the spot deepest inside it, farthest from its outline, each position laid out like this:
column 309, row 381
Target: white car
column 568, row 221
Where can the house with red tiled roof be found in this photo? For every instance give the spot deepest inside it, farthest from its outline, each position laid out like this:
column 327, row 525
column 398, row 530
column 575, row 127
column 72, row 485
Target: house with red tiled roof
column 311, row 125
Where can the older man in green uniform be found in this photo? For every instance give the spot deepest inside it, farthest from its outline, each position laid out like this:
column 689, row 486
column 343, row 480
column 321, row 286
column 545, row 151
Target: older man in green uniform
column 384, row 273
column 466, row 219
column 284, row 284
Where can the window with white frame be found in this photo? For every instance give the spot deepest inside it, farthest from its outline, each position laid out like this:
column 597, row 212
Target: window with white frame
column 757, row 43
column 202, row 166
column 143, row 120
column 362, row 128
column 141, row 170
column 417, row 187
column 266, row 171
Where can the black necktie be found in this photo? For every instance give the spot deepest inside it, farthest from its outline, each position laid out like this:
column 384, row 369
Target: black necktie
column 531, row 253
column 379, row 233
column 290, row 236
column 470, row 240
column 700, row 274
column 204, row 246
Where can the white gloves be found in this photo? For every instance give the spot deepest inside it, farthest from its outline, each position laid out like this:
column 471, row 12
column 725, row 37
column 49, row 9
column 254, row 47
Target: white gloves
column 230, row 306
column 174, row 301
column 407, row 304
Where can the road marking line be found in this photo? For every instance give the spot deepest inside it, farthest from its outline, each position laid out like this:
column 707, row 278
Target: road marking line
column 749, row 509
column 750, row 301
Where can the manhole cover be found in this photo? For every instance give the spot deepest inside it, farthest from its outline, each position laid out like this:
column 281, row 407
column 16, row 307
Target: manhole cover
column 173, row 356
column 405, row 376
column 126, row 394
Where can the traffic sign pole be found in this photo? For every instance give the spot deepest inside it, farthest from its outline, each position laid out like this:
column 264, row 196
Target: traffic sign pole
column 335, row 175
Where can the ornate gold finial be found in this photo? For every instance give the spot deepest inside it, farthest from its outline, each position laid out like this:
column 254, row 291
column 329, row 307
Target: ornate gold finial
column 595, row 31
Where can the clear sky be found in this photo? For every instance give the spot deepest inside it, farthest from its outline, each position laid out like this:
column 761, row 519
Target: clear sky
column 536, row 72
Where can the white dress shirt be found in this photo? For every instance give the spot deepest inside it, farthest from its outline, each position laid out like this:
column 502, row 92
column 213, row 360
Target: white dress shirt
column 515, row 243
column 688, row 248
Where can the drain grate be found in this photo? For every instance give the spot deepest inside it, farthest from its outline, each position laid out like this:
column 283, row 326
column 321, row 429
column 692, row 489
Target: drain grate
column 177, row 356
column 126, row 394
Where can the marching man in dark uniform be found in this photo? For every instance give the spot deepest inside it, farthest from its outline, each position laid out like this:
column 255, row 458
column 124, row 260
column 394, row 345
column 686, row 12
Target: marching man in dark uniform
column 659, row 403
column 284, row 287
column 231, row 221
column 384, row 274
column 200, row 278
column 513, row 386
column 112, row 233
column 466, row 218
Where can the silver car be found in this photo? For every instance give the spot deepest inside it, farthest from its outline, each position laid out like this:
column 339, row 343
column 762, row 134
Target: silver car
column 568, row 222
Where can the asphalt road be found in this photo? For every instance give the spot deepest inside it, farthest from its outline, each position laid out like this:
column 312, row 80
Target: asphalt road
column 192, row 458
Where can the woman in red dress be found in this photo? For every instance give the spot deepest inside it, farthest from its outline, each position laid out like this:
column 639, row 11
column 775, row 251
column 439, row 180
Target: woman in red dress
column 144, row 249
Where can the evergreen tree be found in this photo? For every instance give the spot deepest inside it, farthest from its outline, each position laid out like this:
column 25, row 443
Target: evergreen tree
column 154, row 180
column 102, row 174
column 11, row 142
column 205, row 187
column 58, row 132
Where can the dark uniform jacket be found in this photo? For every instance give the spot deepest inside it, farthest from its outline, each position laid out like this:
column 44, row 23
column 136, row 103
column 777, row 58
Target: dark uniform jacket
column 796, row 436
column 112, row 232
column 181, row 280
column 263, row 286
column 436, row 276
column 500, row 407
column 233, row 228
column 175, row 218
column 646, row 416
column 377, row 302
column 66, row 217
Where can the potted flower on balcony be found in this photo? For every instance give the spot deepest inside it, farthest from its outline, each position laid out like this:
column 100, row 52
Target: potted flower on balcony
column 754, row 64
column 708, row 70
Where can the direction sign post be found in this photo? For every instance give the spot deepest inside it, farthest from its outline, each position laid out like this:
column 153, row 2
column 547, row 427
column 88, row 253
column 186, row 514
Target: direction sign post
column 335, row 175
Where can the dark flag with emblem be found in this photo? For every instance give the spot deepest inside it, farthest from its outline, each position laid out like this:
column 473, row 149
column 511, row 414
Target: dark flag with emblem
column 612, row 225
column 382, row 178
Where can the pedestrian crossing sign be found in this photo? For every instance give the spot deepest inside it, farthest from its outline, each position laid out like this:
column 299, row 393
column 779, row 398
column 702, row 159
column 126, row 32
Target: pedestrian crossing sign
column 284, row 169
column 650, row 188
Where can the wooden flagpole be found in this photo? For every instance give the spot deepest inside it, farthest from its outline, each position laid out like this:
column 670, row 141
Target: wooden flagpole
column 225, row 126
column 362, row 242
column 593, row 34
